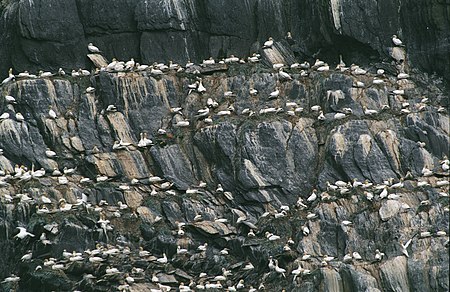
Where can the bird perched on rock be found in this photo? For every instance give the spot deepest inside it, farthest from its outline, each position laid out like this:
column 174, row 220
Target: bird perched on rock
column 398, row 42
column 268, row 43
column 93, row 49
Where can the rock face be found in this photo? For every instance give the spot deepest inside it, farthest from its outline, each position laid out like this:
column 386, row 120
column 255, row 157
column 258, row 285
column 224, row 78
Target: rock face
column 37, row 36
column 349, row 169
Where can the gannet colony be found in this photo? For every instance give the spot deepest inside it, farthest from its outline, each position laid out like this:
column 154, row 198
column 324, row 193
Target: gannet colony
column 270, row 171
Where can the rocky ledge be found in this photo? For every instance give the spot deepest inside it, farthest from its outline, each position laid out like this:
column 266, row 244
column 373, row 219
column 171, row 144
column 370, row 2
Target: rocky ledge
column 225, row 176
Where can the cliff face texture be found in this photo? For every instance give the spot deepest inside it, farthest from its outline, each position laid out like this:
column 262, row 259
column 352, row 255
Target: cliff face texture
column 47, row 35
column 338, row 183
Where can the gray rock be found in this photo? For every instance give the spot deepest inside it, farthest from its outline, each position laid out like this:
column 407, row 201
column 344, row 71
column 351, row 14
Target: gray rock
column 389, row 209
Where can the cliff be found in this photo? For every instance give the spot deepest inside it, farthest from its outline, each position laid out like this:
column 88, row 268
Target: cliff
column 348, row 167
column 47, row 35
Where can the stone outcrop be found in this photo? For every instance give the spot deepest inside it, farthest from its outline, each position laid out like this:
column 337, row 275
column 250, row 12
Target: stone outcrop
column 349, row 169
column 37, row 36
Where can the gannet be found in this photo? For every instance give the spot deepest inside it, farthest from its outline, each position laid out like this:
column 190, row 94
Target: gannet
column 52, row 113
column 323, row 68
column 347, row 258
column 305, row 230
column 369, row 111
column 268, row 43
column 426, row 172
column 377, row 81
column 359, row 71
column 162, row 260
column 50, row 154
column 402, row 76
column 253, row 59
column 313, row 196
column 10, row 99
column 338, row 116
column 181, row 250
column 11, row 279
column 284, row 75
column 182, row 124
column 277, row 66
column 397, row 41
column 378, row 255
column 279, row 270
column 248, row 266
column 93, row 49
column 26, row 257
column 321, row 116
column 210, row 61
column 10, row 77
column 356, row 256
column 271, row 236
column 405, row 247
column 202, row 247
column 23, row 233
column 311, row 216
column 19, row 117
column 274, row 94
column 4, row 116
column 201, row 88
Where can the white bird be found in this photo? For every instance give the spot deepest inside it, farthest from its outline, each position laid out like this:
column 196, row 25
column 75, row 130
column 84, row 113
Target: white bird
column 4, row 116
column 369, row 111
column 93, row 49
column 23, row 233
column 397, row 41
column 313, row 196
column 405, row 247
column 202, row 247
column 284, row 75
column 274, row 94
column 10, row 99
column 268, row 43
column 19, row 117
column 378, row 255
column 50, row 154
column 279, row 270
column 26, row 257
column 357, row 256
column 201, row 88
column 338, row 116
column 162, row 260
column 271, row 236
column 52, row 114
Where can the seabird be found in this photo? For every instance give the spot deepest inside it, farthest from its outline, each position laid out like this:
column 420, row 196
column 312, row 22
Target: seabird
column 4, row 116
column 162, row 260
column 9, row 78
column 405, row 247
column 369, row 111
column 279, row 270
column 268, row 43
column 356, row 256
column 284, row 75
column 50, row 154
column 210, row 61
column 378, row 255
column 52, row 113
column 254, row 58
column 10, row 99
column 93, row 49
column 397, row 41
column 23, row 233
column 19, row 117
column 274, row 94
column 271, row 236
column 201, row 88
column 11, row 279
